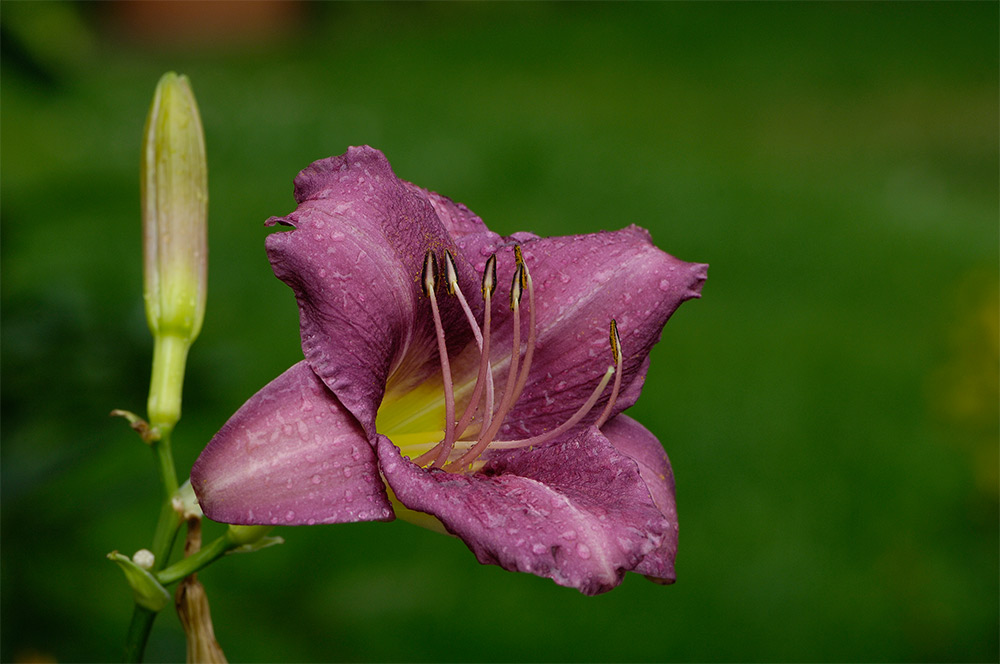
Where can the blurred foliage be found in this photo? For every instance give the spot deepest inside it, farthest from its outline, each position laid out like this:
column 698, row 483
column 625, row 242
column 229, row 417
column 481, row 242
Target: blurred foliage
column 830, row 405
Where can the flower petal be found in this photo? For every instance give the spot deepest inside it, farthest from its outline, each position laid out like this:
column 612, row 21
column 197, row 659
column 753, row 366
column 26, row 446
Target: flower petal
column 576, row 511
column 291, row 455
column 354, row 263
column 634, row 440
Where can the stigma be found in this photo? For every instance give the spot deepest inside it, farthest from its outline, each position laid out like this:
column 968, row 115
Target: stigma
column 464, row 437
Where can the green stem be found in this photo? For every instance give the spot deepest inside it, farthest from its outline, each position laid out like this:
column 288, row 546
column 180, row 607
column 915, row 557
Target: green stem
column 165, row 464
column 167, row 526
column 196, row 561
column 138, row 633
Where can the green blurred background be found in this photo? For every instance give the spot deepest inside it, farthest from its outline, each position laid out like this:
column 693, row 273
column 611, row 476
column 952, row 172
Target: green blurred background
column 830, row 405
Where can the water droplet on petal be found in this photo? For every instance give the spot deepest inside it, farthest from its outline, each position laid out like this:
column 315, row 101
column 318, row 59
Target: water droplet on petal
column 289, row 516
column 538, row 549
column 316, row 479
column 583, row 550
column 664, row 285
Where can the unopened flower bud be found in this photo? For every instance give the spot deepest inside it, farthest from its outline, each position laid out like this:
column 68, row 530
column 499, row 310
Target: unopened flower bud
column 175, row 238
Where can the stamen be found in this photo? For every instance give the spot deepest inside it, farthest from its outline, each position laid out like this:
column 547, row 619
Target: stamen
column 468, row 451
column 483, row 341
column 430, row 274
column 485, row 376
column 489, row 287
column 450, row 272
column 529, row 352
column 565, row 426
column 616, row 353
column 486, row 436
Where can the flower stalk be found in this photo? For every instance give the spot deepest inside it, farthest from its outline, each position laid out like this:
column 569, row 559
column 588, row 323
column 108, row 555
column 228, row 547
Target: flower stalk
column 174, row 182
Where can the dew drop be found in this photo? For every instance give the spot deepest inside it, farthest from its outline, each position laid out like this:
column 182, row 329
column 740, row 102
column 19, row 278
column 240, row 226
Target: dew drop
column 583, row 550
column 316, row 479
column 347, row 471
column 337, row 236
column 289, row 516
column 539, row 549
column 664, row 285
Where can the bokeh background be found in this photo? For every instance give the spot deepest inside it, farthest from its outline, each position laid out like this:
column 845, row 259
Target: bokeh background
column 830, row 405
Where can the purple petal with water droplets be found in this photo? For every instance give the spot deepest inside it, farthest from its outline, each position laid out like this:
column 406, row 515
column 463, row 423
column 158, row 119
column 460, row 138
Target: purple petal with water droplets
column 576, row 511
column 634, row 440
column 291, row 455
column 581, row 283
column 353, row 260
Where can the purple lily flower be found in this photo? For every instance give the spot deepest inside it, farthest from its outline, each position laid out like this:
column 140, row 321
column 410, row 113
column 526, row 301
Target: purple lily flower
column 462, row 380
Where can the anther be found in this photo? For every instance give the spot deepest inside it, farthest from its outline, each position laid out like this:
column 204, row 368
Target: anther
column 451, row 273
column 429, row 274
column 519, row 259
column 516, row 287
column 490, row 277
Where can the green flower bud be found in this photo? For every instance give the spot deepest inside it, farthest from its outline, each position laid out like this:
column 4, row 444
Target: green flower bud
column 175, row 239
